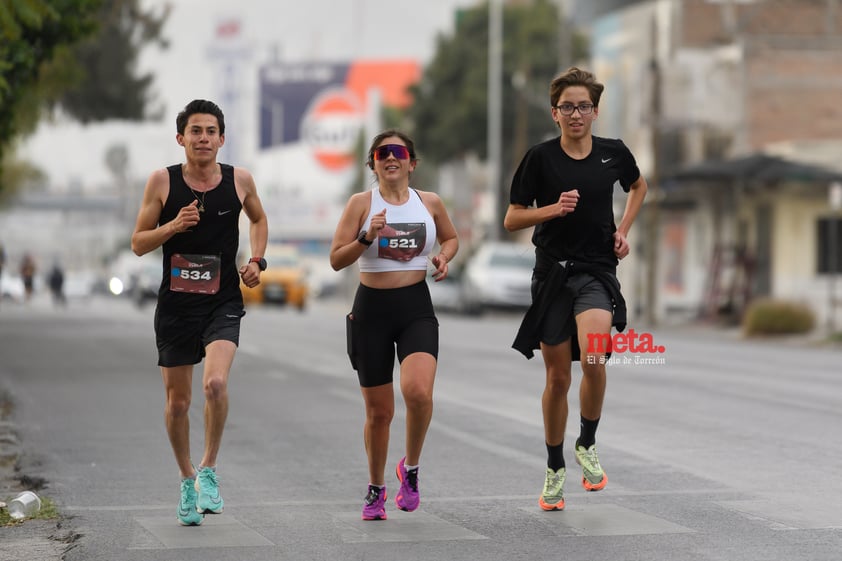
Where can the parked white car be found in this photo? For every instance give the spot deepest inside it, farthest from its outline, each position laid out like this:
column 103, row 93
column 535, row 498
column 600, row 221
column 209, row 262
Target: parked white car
column 499, row 275
column 11, row 287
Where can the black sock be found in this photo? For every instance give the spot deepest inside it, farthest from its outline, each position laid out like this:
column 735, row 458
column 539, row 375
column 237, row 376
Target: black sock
column 587, row 432
column 555, row 458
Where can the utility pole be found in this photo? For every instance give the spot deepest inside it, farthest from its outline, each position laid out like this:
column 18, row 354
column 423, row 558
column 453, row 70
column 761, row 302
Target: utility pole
column 652, row 208
column 495, row 107
column 835, row 200
column 565, row 37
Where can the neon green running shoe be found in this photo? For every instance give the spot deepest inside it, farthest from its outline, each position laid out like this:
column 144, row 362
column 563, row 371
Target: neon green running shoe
column 553, row 496
column 593, row 477
column 207, row 485
column 187, row 514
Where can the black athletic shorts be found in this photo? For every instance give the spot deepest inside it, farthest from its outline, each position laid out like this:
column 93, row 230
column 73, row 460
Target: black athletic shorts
column 182, row 338
column 385, row 320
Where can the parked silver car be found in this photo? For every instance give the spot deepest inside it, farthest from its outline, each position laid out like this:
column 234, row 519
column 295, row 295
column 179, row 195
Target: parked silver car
column 499, row 275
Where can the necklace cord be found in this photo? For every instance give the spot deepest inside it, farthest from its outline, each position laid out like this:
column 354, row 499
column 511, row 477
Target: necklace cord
column 201, row 201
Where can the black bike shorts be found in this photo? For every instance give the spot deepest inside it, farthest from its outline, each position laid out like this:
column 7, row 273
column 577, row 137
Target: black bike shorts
column 383, row 321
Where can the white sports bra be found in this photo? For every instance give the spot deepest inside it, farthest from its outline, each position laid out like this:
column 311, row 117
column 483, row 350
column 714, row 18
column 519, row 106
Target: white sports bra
column 407, row 239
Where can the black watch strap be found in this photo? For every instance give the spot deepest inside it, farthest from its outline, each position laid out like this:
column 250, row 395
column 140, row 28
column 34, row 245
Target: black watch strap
column 362, row 239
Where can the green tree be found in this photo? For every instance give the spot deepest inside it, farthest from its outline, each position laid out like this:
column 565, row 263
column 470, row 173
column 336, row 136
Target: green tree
column 109, row 86
column 451, row 100
column 75, row 54
column 31, row 31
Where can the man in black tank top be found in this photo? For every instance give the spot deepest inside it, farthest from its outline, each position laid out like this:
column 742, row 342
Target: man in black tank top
column 192, row 212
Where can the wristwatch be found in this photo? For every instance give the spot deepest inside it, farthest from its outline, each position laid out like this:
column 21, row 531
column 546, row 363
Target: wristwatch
column 261, row 262
column 362, row 238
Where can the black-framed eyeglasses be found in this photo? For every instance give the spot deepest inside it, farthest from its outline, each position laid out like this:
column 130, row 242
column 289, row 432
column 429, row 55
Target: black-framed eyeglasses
column 567, row 109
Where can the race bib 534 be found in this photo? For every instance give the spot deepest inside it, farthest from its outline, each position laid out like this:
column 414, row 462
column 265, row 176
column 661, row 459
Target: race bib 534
column 195, row 273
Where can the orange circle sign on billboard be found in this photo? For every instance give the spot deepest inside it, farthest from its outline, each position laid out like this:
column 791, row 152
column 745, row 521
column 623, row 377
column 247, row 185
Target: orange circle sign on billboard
column 331, row 127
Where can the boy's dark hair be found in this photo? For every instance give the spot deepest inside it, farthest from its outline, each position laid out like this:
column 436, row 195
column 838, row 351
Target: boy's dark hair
column 575, row 77
column 410, row 144
column 199, row 106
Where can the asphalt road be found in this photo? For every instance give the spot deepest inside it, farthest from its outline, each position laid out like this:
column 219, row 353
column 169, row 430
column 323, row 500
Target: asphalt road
column 721, row 450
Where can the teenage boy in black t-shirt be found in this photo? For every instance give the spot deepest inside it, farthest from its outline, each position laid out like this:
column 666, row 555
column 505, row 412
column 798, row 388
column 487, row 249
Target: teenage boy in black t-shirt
column 570, row 181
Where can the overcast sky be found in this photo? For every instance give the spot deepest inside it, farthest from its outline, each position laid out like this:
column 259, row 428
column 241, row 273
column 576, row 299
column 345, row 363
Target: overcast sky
column 291, row 30
column 295, row 30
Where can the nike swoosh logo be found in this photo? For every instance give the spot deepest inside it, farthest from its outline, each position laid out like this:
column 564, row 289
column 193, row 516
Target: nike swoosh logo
column 221, row 212
column 606, row 160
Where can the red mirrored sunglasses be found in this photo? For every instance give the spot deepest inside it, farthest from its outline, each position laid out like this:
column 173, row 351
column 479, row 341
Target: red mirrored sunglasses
column 399, row 151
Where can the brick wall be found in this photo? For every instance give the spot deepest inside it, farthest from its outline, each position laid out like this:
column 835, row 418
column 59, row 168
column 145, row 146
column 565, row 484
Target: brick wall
column 704, row 23
column 793, row 63
column 793, row 94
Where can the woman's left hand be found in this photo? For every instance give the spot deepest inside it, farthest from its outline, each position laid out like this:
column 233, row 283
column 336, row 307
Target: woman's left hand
column 440, row 263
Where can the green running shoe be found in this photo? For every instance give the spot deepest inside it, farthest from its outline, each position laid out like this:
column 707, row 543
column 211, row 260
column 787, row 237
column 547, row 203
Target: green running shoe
column 207, row 485
column 187, row 514
column 553, row 496
column 593, row 477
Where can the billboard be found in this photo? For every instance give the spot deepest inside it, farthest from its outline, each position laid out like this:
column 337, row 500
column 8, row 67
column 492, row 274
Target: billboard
column 324, row 105
column 311, row 117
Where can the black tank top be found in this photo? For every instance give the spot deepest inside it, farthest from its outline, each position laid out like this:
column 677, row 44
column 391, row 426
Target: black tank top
column 217, row 233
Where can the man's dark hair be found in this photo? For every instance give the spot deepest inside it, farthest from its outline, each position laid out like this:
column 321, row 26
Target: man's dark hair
column 199, row 106
column 575, row 77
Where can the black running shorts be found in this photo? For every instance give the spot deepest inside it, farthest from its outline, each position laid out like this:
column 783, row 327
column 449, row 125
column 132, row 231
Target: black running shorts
column 182, row 337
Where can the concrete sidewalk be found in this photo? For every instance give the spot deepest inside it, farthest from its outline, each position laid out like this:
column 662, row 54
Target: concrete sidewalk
column 35, row 539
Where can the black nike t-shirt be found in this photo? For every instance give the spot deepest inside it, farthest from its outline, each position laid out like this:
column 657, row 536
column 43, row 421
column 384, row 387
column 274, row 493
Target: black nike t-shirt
column 587, row 233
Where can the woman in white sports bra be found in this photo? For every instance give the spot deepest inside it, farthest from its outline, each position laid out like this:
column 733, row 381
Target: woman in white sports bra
column 391, row 231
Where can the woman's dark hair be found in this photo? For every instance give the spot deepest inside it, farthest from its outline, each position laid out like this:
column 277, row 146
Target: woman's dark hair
column 199, row 106
column 410, row 144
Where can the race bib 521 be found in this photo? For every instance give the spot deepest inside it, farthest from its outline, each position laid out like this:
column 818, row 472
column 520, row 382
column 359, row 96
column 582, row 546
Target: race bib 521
column 402, row 241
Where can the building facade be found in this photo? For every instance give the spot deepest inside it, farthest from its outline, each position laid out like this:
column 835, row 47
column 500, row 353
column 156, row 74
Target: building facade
column 690, row 81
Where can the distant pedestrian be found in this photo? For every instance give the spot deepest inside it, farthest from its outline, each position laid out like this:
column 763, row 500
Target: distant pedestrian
column 27, row 274
column 192, row 210
column 56, row 282
column 2, row 263
column 391, row 231
column 575, row 293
